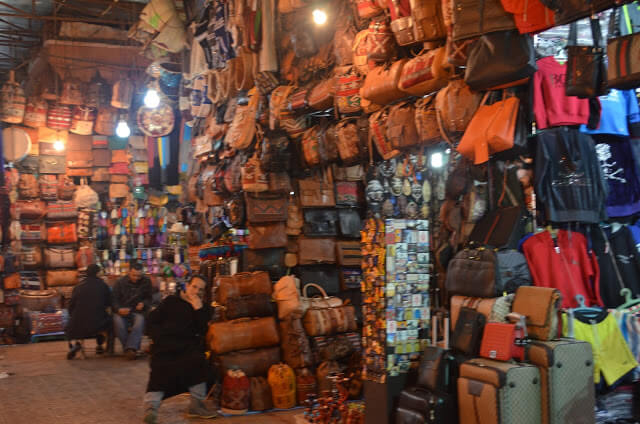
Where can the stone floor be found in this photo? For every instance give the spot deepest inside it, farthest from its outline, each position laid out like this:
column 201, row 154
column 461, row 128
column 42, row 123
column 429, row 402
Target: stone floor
column 44, row 387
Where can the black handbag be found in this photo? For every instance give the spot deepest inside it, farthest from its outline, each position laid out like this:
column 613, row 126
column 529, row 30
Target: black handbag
column 567, row 11
column 467, row 335
column 320, row 222
column 350, row 223
column 501, row 228
column 270, row 260
column 325, row 276
column 586, row 70
column 500, row 59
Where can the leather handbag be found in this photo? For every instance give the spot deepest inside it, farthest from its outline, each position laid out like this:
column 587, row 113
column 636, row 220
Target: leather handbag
column 100, row 175
column 321, row 95
column 473, row 18
column 540, row 307
column 360, row 61
column 243, row 333
column 78, row 143
column 277, row 104
column 381, row 45
column 467, row 334
column 320, row 222
column 378, row 134
column 276, row 155
column 296, row 351
column 326, row 276
column 286, row 295
column 320, row 300
column 269, row 260
column 476, row 265
column 261, row 397
column 349, row 253
column 55, row 257
column 11, row 281
column 27, row 209
column 235, row 394
column 117, row 191
column 348, row 84
column 267, row 235
column 242, row 284
column 252, row 305
column 50, row 164
column 332, row 348
column 499, row 60
column 313, row 251
column 586, row 75
column 325, row 316
column 428, row 20
column 62, row 233
column 265, row 208
column 39, row 300
column 61, row 210
column 349, row 140
column 494, row 309
column 349, row 223
column 243, row 127
column 623, row 70
column 254, row 362
column 79, row 159
column 381, row 84
column 502, row 342
column 311, row 147
column 455, row 106
column 101, row 157
column 317, row 190
column 28, row 187
column 57, row 278
column 253, row 177
column 426, row 121
column 426, row 73
column 280, row 183
column 401, row 126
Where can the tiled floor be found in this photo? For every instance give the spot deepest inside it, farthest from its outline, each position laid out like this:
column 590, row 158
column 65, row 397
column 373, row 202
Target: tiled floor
column 43, row 387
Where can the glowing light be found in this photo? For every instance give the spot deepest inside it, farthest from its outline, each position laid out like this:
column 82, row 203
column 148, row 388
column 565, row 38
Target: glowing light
column 123, row 130
column 152, row 99
column 437, row 160
column 58, row 146
column 319, row 17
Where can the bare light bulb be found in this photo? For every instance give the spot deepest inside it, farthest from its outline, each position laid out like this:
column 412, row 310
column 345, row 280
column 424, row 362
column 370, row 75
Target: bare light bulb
column 436, row 160
column 319, row 16
column 152, row 99
column 123, row 130
column 58, row 146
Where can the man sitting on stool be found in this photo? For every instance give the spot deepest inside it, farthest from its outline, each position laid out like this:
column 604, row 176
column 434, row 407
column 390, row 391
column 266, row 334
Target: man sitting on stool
column 131, row 300
column 89, row 311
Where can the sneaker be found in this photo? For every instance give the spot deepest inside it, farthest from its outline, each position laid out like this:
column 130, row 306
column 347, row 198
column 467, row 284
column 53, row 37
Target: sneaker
column 198, row 409
column 130, row 354
column 150, row 417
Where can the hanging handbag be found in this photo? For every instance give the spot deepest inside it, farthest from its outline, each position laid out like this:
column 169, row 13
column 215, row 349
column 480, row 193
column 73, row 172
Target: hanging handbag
column 473, row 18
column 428, row 20
column 265, row 208
column 62, row 233
column 348, row 84
column 467, row 335
column 401, row 127
column 350, row 140
column 456, row 105
column 27, row 209
column 59, row 258
column 499, row 60
column 381, row 84
column 59, row 117
column 316, row 251
column 586, row 68
column 477, row 265
column 540, row 307
column 79, row 159
column 269, row 260
column 50, row 164
column 426, row 121
column 426, row 73
column 623, row 52
column 267, row 236
column 317, row 191
column 320, row 222
column 381, row 45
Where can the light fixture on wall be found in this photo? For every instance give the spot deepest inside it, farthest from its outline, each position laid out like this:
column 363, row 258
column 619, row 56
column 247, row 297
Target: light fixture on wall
column 152, row 98
column 319, row 16
column 437, row 160
column 58, row 145
column 122, row 129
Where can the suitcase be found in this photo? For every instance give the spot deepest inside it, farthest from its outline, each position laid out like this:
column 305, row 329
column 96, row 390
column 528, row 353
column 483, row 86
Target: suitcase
column 566, row 377
column 408, row 416
column 435, row 407
column 492, row 392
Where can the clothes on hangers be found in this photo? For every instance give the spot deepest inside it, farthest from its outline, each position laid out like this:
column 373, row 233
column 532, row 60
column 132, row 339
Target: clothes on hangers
column 629, row 324
column 619, row 113
column 611, row 354
column 564, row 263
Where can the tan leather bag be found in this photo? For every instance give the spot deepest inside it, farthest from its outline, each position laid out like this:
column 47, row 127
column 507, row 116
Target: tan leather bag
column 62, row 278
column 242, row 284
column 348, row 142
column 317, row 191
column 323, row 300
column 59, row 258
column 79, row 159
column 316, row 251
column 381, row 84
column 401, row 127
column 321, row 95
column 278, row 103
column 455, row 106
column 540, row 306
column 426, row 73
column 243, row 127
column 287, row 297
column 323, row 320
column 426, row 120
column 296, row 351
column 267, row 236
column 428, row 20
column 495, row 309
column 243, row 333
column 378, row 134
column 360, row 61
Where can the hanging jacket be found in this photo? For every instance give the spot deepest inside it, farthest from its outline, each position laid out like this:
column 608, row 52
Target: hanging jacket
column 531, row 16
column 564, row 263
column 619, row 113
column 568, row 180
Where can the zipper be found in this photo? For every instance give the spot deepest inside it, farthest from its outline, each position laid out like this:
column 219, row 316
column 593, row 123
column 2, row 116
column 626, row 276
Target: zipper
column 607, row 249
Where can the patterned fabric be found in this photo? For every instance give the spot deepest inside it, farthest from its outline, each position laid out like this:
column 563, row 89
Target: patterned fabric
column 217, row 40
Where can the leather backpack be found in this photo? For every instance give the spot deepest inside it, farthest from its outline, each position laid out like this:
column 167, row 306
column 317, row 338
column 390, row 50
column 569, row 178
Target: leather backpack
column 276, row 153
column 426, row 120
column 352, row 139
column 401, row 128
column 381, row 45
column 378, row 134
column 253, row 177
column 428, row 20
column 455, row 106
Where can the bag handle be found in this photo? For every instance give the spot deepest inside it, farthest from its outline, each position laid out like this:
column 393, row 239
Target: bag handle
column 596, row 34
column 320, row 289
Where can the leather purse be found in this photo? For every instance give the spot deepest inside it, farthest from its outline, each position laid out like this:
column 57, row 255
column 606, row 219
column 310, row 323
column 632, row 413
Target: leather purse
column 426, row 121
column 502, row 342
column 306, row 385
column 321, row 95
column 265, row 208
column 472, row 272
column 50, row 164
column 327, row 320
column 499, row 60
column 57, row 278
column 317, row 190
column 473, row 18
column 311, row 147
column 253, row 362
column 252, row 305
column 586, row 75
column 59, row 257
column 349, row 141
column 467, row 334
column 269, row 260
column 623, row 70
column 320, row 222
column 381, row 84
column 313, row 251
column 79, row 159
column 349, row 253
column 243, row 333
column 426, row 73
column 62, row 233
column 57, row 211
column 101, row 157
column 540, row 307
column 296, row 351
column 117, row 191
column 120, row 156
column 27, row 209
column 276, row 153
column 455, row 106
column 267, row 235
column 349, row 222
column 322, row 299
column 242, row 284
column 326, row 276
column 401, row 127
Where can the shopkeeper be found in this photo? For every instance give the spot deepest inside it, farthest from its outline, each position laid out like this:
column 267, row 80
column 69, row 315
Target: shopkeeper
column 131, row 301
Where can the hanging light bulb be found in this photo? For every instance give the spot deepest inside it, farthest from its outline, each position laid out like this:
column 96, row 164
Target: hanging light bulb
column 58, row 145
column 122, row 129
column 319, row 16
column 437, row 160
column 152, row 99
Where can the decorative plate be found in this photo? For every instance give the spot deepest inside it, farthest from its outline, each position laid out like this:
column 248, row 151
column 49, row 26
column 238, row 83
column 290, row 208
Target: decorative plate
column 156, row 122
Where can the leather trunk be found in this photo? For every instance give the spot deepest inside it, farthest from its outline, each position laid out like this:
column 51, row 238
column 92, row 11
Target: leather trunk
column 296, row 351
column 472, row 272
column 312, row 251
column 349, row 253
column 267, row 236
column 269, row 260
column 254, row 362
column 252, row 305
column 242, row 284
column 243, row 333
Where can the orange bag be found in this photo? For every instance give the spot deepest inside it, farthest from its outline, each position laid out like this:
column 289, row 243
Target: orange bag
column 62, row 233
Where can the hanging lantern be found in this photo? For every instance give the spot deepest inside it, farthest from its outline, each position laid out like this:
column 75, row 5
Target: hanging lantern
column 106, row 121
column 83, row 119
column 12, row 101
column 98, row 92
column 122, row 94
column 35, row 114
column 72, row 92
column 59, row 117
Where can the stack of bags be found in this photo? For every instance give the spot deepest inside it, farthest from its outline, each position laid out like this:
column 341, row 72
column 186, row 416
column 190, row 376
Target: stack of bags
column 101, row 162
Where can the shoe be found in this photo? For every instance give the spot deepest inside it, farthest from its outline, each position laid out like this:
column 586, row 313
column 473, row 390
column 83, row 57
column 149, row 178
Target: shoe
column 72, row 352
column 150, row 417
column 198, row 409
column 130, row 354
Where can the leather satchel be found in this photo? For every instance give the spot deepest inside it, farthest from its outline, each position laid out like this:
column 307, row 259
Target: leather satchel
column 59, row 257
column 50, row 164
column 378, row 134
column 62, row 233
column 455, row 106
column 267, row 235
column 349, row 222
column 349, row 141
column 254, row 362
column 502, row 342
column 494, row 309
column 320, row 300
column 57, row 278
column 426, row 73
column 473, row 18
column 401, row 127
column 586, row 75
column 320, row 222
column 312, row 251
column 285, row 293
column 467, row 334
column 327, row 320
column 57, row 211
column 252, row 305
column 242, row 284
column 623, row 70
column 428, row 20
column 265, row 208
column 348, row 85
column 269, row 260
column 381, row 84
column 472, row 272
column 242, row 333
column 349, row 253
column 317, row 191
column 426, row 121
column 296, row 351
column 540, row 306
column 332, row 348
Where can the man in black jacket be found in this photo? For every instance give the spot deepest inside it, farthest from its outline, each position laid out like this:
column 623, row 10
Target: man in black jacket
column 178, row 363
column 131, row 300
column 89, row 311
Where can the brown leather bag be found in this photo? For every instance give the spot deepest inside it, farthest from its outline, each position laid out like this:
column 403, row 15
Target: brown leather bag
column 306, row 385
column 317, row 191
column 426, row 73
column 401, row 127
column 242, row 333
column 79, row 159
column 296, row 351
column 349, row 253
column 59, row 258
column 101, row 157
column 428, row 20
column 62, row 278
column 267, row 235
column 242, row 284
column 378, row 134
column 319, row 321
column 381, row 44
column 243, row 127
column 253, row 362
column 260, row 394
column 28, row 187
column 473, row 18
column 472, row 272
column 426, row 121
column 265, row 208
column 321, row 95
column 349, row 141
column 252, row 305
column 540, row 306
column 455, row 106
column 381, row 84
column 494, row 309
column 316, row 251
column 324, row 371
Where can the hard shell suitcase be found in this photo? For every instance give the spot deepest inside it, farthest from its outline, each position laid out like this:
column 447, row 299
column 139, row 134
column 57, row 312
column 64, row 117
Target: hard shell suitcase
column 435, row 407
column 566, row 377
column 493, row 392
column 409, row 416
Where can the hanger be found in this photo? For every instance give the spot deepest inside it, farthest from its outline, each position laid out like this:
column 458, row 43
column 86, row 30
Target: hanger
column 587, row 311
column 628, row 300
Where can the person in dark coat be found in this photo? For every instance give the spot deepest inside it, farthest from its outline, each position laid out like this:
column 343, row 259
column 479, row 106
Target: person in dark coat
column 89, row 311
column 178, row 364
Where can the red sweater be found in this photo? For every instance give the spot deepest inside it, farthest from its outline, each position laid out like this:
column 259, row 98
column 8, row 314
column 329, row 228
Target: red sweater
column 551, row 106
column 568, row 268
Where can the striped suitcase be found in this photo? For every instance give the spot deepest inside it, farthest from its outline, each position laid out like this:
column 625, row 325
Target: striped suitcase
column 493, row 392
column 566, row 376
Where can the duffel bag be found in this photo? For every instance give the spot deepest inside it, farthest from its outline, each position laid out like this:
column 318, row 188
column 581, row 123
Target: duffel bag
column 59, row 258
column 27, row 209
column 61, row 210
column 253, row 305
column 62, row 278
column 62, row 233
column 242, row 284
column 39, row 300
column 242, row 334
column 253, row 362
